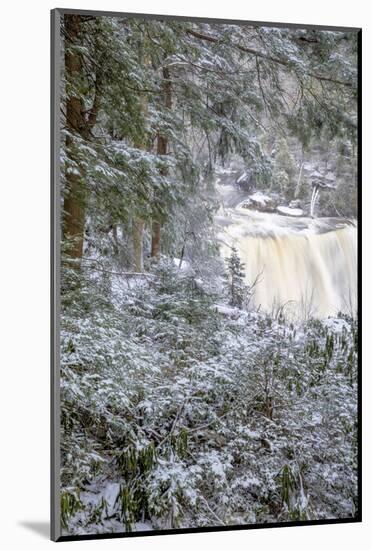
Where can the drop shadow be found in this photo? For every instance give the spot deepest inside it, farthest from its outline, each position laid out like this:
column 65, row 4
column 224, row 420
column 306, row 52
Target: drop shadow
column 41, row 528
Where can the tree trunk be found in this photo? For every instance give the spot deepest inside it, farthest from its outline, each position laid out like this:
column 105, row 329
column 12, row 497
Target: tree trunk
column 138, row 228
column 74, row 203
column 78, row 122
column 162, row 149
column 138, row 224
column 297, row 188
column 156, row 238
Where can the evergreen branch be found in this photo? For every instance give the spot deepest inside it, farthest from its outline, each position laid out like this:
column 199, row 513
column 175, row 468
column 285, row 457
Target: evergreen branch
column 266, row 57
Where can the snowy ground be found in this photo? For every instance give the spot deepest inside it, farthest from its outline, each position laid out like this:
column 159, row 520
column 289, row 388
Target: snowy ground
column 186, row 423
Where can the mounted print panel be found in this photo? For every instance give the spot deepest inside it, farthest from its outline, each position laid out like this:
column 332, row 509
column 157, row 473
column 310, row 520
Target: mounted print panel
column 205, row 195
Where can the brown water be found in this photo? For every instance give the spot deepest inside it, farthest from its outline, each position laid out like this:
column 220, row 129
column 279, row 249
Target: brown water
column 304, row 267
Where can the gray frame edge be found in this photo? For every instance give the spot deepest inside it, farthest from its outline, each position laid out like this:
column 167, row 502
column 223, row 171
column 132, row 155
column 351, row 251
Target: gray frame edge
column 55, row 60
column 191, row 19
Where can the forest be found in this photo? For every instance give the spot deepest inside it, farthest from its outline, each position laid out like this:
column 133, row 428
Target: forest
column 208, row 345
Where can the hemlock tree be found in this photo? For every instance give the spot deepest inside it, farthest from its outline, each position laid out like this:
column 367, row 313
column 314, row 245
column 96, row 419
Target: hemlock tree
column 237, row 288
column 149, row 102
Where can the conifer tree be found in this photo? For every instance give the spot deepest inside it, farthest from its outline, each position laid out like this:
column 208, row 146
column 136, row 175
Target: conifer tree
column 237, row 288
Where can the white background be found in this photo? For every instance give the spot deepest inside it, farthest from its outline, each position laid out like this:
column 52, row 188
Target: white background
column 24, row 271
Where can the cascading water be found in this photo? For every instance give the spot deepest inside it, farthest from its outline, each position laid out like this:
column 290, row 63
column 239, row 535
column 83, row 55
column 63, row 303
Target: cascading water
column 313, row 201
column 302, row 266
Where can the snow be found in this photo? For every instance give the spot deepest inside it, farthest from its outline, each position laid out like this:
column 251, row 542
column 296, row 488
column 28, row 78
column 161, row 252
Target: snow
column 242, row 177
column 336, row 324
column 317, row 418
column 228, row 311
column 184, row 266
column 248, row 482
column 238, row 221
column 287, row 211
column 259, row 198
column 143, row 526
column 223, row 170
column 236, row 453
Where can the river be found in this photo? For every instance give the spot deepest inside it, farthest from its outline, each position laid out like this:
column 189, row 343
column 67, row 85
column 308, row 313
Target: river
column 301, row 266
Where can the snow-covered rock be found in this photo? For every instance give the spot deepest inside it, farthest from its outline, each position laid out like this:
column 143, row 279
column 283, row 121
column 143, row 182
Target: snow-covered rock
column 259, row 201
column 260, row 198
column 287, row 211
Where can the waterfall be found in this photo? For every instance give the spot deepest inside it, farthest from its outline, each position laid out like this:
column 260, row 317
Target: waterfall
column 301, row 266
column 313, row 201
